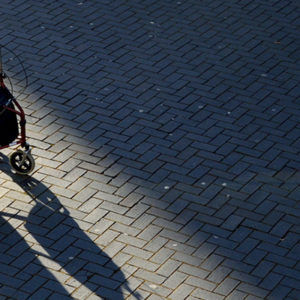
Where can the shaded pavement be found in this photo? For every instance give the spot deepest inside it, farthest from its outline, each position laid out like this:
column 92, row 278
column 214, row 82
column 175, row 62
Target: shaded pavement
column 166, row 136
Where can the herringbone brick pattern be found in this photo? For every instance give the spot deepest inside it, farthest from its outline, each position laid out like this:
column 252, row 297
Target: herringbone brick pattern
column 167, row 140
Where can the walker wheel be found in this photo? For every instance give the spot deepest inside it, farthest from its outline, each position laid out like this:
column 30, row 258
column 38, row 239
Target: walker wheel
column 22, row 162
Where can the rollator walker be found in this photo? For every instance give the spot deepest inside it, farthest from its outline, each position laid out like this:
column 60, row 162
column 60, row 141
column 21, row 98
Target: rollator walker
column 13, row 129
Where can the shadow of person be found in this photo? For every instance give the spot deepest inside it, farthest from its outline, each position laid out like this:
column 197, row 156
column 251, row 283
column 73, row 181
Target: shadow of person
column 21, row 272
column 67, row 247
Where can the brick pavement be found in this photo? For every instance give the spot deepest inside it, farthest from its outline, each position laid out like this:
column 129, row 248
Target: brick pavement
column 166, row 136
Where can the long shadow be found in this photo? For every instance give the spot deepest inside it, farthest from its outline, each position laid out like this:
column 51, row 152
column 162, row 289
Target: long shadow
column 20, row 268
column 64, row 246
column 222, row 56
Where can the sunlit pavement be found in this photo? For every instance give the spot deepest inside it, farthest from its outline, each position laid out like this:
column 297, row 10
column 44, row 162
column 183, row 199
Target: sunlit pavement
column 166, row 136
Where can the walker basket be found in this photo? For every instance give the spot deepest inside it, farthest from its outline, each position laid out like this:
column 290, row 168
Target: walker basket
column 9, row 130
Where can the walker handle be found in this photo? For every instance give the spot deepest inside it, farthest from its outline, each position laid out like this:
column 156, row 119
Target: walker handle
column 1, row 69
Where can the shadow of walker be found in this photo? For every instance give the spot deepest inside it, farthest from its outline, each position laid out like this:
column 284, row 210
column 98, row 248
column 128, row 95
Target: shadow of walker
column 65, row 244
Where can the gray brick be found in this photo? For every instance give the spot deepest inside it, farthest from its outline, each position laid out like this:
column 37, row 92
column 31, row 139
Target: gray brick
column 149, row 232
column 175, row 280
column 121, row 105
column 107, row 237
column 227, row 286
column 156, row 243
column 137, row 252
column 256, row 291
column 206, row 295
column 187, row 258
column 168, row 267
column 236, row 295
column 182, row 292
column 136, row 242
column 194, row 271
column 144, row 264
column 232, row 222
column 270, row 281
column 205, row 250
column 162, row 255
column 158, row 292
column 149, row 276
column 200, row 283
column 219, row 274
column 174, row 235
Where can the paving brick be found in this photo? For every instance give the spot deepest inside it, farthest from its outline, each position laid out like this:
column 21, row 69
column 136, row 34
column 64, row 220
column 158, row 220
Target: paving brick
column 174, row 235
column 82, row 292
column 159, row 292
column 263, row 269
column 137, row 211
column 206, row 295
column 182, row 292
column 107, row 237
column 256, row 291
column 143, row 221
column 180, row 247
column 235, row 295
column 222, row 242
column 121, row 105
column 281, row 228
column 175, row 280
column 149, row 276
column 162, row 255
column 41, row 293
column 149, row 232
column 168, row 267
column 248, row 245
column 279, row 292
column 155, row 297
column 227, row 286
column 270, row 281
column 219, row 274
column 287, row 271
